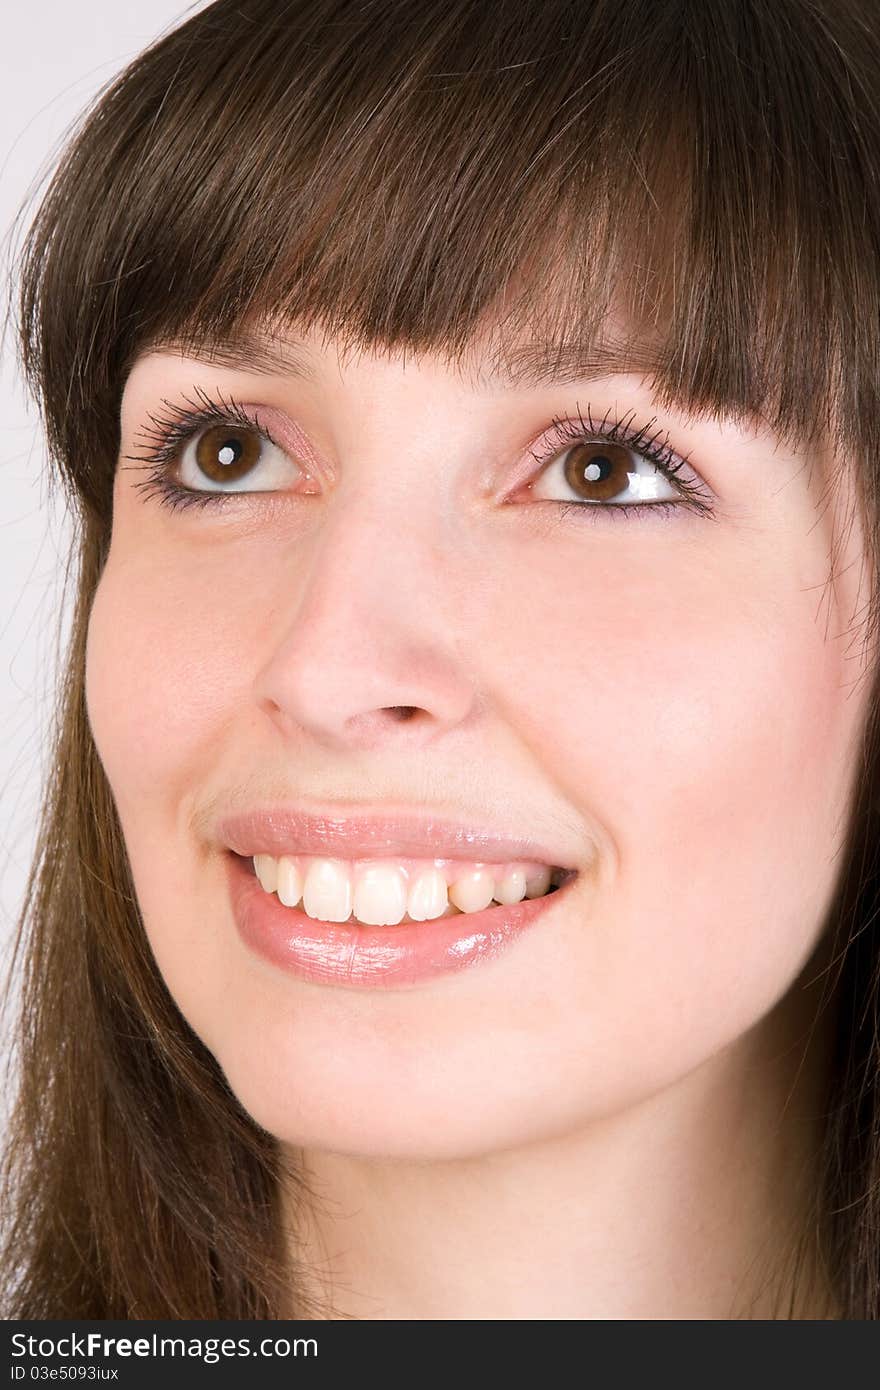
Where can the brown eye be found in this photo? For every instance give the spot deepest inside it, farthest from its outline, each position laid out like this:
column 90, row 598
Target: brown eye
column 598, row 471
column 226, row 453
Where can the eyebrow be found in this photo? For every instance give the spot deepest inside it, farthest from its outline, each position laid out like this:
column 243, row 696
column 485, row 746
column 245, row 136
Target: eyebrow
column 535, row 363
column 245, row 352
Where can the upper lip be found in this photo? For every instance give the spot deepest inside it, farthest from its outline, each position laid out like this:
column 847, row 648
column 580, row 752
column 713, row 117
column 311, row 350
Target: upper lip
column 337, row 833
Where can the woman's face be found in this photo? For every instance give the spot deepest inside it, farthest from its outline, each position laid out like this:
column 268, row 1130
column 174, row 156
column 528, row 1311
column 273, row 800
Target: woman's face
column 668, row 700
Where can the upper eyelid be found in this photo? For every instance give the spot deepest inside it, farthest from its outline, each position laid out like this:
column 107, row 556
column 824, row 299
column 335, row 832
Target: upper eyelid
column 187, row 418
column 645, row 438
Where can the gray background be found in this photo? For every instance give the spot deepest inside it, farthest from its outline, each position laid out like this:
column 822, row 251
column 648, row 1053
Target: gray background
column 57, row 56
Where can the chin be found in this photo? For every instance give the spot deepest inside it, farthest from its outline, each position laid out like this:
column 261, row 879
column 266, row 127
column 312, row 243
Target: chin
column 303, row 1109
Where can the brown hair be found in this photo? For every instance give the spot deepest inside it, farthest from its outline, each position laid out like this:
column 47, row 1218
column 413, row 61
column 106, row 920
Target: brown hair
column 403, row 174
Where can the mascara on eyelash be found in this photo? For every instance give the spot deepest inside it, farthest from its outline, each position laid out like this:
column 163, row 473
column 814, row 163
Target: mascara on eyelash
column 167, row 434
column 654, row 447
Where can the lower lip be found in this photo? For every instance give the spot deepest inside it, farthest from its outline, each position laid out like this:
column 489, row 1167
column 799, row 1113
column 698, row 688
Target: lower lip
column 343, row 953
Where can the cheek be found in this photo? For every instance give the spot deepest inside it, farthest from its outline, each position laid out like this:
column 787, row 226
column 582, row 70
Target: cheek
column 702, row 726
column 154, row 698
column 159, row 694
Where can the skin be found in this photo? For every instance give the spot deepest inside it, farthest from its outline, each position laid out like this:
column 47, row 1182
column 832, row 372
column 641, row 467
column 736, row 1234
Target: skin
column 614, row 1119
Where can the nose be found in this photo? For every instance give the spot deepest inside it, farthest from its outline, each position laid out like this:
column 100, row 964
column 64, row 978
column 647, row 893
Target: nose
column 371, row 647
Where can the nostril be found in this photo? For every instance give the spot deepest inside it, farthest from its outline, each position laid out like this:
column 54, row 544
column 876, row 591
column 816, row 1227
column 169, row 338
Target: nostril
column 403, row 712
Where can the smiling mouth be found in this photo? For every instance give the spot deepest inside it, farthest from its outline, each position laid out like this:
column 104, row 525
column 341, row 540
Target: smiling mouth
column 392, row 952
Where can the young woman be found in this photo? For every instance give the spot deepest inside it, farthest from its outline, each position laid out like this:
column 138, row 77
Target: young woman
column 457, row 889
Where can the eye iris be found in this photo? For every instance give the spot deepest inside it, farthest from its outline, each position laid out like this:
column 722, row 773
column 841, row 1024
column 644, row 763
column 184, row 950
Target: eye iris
column 599, row 471
column 224, row 453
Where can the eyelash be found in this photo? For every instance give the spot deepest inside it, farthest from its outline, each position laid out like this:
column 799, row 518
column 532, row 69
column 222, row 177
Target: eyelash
column 168, row 433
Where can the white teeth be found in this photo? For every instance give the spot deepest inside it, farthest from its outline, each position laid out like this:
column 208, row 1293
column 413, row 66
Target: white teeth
column 428, row 896
column 512, row 888
column 384, row 894
column 473, row 891
column 289, row 881
column 380, row 896
column 327, row 893
column 266, row 869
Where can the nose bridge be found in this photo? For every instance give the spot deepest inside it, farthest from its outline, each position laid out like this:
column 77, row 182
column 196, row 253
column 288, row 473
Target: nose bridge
column 381, row 555
column 394, row 518
column 369, row 623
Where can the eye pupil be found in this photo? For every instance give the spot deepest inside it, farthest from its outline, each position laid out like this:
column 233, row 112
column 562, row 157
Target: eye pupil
column 230, row 452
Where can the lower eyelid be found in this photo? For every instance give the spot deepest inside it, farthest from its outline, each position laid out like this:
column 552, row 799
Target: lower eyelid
column 664, row 510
